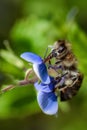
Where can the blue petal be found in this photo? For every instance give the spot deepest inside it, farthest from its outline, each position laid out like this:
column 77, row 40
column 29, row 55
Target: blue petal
column 30, row 57
column 47, row 102
column 45, row 87
column 42, row 87
column 41, row 72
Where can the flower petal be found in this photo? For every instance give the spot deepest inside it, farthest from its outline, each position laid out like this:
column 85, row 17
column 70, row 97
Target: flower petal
column 47, row 102
column 30, row 57
column 45, row 87
column 41, row 72
column 42, row 87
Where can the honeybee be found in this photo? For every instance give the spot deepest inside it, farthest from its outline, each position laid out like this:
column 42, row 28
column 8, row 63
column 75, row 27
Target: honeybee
column 65, row 61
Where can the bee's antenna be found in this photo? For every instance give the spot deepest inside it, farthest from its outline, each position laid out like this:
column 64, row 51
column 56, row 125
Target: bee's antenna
column 49, row 46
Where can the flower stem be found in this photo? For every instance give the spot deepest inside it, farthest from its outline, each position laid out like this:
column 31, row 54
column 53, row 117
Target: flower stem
column 20, row 83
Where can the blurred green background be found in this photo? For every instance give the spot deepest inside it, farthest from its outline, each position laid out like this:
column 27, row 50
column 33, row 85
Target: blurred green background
column 31, row 25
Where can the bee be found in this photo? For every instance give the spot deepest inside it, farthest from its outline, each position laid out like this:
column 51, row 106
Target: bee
column 65, row 61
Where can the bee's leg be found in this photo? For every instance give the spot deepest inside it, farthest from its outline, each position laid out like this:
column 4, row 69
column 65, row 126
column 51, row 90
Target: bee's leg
column 58, row 69
column 49, row 62
column 51, row 66
column 59, row 65
column 62, row 77
column 57, row 62
column 73, row 75
column 61, row 82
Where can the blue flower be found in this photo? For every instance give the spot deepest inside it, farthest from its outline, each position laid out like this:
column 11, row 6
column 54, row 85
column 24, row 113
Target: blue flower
column 46, row 90
column 46, row 97
column 38, row 66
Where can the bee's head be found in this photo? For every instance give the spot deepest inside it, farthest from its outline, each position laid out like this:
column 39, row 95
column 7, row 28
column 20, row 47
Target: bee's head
column 60, row 49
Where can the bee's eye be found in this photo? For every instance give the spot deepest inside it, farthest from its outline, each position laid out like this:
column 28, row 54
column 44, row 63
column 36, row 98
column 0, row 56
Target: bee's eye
column 61, row 49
